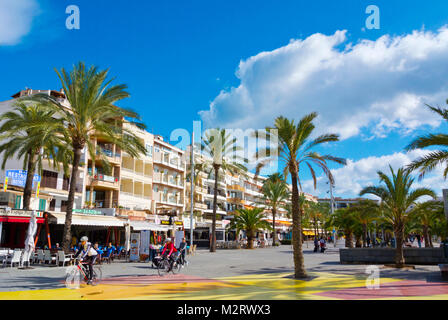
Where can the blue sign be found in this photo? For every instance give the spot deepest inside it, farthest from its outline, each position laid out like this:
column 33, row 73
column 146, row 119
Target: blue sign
column 18, row 178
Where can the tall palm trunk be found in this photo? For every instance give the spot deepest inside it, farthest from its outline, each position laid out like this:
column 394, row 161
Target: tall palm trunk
column 67, row 235
column 299, row 267
column 274, row 238
column 250, row 239
column 358, row 241
column 31, row 167
column 399, row 234
column 426, row 236
column 364, row 236
column 215, row 205
column 348, row 240
column 430, row 240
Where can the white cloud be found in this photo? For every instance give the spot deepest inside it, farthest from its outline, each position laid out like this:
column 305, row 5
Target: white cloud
column 356, row 175
column 371, row 87
column 16, row 17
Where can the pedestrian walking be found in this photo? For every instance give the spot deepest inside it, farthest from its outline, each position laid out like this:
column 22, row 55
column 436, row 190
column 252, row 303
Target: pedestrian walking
column 419, row 240
column 316, row 244
column 322, row 245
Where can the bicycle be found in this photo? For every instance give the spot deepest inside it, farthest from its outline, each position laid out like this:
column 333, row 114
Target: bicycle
column 164, row 266
column 83, row 271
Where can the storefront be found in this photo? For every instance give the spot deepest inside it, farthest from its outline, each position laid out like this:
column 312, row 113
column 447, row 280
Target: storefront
column 98, row 228
column 14, row 225
column 202, row 233
column 158, row 232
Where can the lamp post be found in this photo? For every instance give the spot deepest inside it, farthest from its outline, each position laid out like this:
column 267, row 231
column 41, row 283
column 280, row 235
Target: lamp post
column 332, row 208
column 192, row 190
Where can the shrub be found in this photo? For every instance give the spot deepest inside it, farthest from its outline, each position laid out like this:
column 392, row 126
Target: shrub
column 285, row 242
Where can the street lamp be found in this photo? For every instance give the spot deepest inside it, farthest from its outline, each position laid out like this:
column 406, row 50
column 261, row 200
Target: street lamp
column 332, row 208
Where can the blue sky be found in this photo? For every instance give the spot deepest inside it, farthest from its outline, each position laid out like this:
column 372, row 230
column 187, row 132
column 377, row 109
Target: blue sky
column 180, row 57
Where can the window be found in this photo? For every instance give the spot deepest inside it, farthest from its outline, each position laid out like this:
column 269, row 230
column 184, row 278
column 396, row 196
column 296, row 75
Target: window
column 18, row 203
column 65, row 183
column 52, row 204
column 63, row 206
column 49, row 179
column 149, row 150
column 156, row 149
column 42, row 204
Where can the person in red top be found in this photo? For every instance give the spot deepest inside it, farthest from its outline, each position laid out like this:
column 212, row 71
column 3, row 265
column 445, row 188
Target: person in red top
column 169, row 246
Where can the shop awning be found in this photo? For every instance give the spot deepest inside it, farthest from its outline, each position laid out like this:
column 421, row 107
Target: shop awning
column 280, row 222
column 87, row 220
column 308, row 233
column 19, row 219
column 144, row 225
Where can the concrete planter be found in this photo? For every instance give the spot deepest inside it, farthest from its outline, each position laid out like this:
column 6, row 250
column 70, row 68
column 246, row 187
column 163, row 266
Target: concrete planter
column 419, row 256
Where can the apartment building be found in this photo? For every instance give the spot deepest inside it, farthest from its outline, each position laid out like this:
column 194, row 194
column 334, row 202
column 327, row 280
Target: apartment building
column 54, row 183
column 136, row 188
column 342, row 202
column 168, row 178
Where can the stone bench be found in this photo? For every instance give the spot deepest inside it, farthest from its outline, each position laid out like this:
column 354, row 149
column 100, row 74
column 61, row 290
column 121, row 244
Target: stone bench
column 418, row 256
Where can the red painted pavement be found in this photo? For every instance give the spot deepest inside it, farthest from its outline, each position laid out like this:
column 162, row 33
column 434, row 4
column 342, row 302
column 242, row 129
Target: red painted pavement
column 405, row 288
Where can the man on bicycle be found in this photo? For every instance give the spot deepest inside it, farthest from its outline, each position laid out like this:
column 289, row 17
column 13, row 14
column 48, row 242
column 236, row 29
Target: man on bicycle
column 169, row 246
column 88, row 255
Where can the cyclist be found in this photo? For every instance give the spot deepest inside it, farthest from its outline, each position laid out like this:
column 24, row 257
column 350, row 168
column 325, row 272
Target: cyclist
column 169, row 246
column 88, row 254
column 182, row 249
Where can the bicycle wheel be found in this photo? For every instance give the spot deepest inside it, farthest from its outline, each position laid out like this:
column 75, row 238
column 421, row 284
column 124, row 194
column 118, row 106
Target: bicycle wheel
column 163, row 267
column 97, row 274
column 176, row 267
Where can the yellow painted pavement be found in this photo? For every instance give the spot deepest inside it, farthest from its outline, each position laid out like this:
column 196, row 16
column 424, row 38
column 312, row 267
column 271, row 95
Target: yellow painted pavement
column 248, row 287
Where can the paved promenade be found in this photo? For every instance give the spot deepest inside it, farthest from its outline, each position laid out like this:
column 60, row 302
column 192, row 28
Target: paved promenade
column 231, row 274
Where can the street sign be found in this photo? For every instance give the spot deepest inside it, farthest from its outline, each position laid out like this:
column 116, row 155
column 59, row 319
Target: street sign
column 18, row 178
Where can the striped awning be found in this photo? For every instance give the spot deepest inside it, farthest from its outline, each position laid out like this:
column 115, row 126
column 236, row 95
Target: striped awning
column 87, row 220
column 144, row 225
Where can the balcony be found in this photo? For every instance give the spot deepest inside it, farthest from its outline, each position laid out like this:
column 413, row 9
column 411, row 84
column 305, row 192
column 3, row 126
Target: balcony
column 235, row 187
column 110, row 155
column 236, row 200
column 167, row 180
column 172, row 163
column 197, row 205
column 104, row 181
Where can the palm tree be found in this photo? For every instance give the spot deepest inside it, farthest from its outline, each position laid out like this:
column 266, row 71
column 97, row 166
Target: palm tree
column 250, row 220
column 365, row 212
column 428, row 162
column 219, row 145
column 30, row 132
column 92, row 112
column 276, row 192
column 198, row 168
column 343, row 219
column 295, row 148
column 425, row 215
column 396, row 199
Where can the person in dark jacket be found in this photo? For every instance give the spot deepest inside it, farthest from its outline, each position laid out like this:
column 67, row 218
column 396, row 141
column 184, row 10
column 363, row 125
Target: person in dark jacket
column 182, row 250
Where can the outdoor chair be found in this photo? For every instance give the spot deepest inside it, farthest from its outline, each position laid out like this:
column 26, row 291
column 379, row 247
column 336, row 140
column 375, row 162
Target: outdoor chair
column 107, row 255
column 40, row 256
column 62, row 257
column 15, row 258
column 48, row 257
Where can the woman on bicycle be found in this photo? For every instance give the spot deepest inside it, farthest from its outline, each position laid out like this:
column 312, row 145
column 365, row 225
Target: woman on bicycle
column 88, row 255
column 169, row 246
